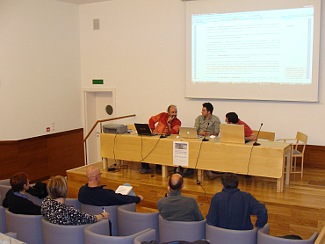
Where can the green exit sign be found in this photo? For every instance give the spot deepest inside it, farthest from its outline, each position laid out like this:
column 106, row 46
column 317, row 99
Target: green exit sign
column 100, row 82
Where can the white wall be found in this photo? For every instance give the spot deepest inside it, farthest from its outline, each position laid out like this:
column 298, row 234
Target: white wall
column 140, row 51
column 39, row 68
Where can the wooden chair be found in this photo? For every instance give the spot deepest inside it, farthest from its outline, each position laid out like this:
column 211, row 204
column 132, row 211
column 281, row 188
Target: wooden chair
column 263, row 237
column 298, row 151
column 321, row 237
column 265, row 135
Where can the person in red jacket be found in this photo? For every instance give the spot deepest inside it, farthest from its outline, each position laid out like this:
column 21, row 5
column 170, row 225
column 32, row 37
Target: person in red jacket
column 164, row 123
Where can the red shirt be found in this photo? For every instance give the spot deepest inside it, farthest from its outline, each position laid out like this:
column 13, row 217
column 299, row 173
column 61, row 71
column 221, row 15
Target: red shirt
column 247, row 130
column 162, row 124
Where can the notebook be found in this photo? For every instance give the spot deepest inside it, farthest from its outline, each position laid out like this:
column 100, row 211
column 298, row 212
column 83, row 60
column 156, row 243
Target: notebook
column 230, row 133
column 188, row 132
column 143, row 129
column 124, row 190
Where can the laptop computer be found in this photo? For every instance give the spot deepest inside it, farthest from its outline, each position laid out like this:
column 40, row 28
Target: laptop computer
column 230, row 133
column 188, row 132
column 143, row 130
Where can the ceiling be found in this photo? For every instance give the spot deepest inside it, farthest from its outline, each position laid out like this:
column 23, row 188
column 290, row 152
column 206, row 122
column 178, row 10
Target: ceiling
column 82, row 1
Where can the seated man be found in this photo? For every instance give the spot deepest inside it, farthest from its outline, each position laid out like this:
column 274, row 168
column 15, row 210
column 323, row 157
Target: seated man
column 232, row 118
column 207, row 124
column 176, row 207
column 164, row 123
column 95, row 194
column 232, row 208
column 16, row 199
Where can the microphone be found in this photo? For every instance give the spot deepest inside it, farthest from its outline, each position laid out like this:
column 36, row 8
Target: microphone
column 256, row 143
column 205, row 138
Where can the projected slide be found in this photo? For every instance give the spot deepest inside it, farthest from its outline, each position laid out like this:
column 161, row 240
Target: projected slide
column 264, row 50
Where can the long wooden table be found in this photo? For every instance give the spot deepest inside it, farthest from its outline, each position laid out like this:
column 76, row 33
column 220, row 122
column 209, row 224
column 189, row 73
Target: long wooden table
column 266, row 160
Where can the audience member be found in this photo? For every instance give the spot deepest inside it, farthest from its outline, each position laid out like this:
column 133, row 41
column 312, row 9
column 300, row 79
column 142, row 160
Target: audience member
column 207, row 124
column 93, row 193
column 164, row 123
column 232, row 118
column 54, row 209
column 174, row 206
column 232, row 208
column 16, row 199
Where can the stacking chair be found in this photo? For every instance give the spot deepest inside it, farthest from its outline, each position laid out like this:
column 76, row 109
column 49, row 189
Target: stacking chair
column 98, row 233
column 265, row 135
column 27, row 227
column 181, row 230
column 298, row 151
column 112, row 210
column 130, row 222
column 225, row 236
column 263, row 237
column 54, row 234
column 148, row 236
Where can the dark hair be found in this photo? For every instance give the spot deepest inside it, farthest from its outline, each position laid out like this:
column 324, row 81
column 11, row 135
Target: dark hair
column 208, row 106
column 232, row 117
column 229, row 180
column 17, row 181
column 172, row 105
column 175, row 185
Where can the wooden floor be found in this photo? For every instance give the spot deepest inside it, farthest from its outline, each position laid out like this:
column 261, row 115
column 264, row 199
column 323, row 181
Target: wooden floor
column 299, row 209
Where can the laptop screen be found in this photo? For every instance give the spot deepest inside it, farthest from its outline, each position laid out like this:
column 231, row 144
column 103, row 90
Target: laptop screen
column 188, row 132
column 143, row 129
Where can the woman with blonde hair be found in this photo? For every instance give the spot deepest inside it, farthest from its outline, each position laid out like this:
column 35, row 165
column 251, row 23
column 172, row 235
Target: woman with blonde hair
column 54, row 209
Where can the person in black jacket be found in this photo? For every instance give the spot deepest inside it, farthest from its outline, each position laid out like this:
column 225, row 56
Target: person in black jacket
column 16, row 199
column 93, row 193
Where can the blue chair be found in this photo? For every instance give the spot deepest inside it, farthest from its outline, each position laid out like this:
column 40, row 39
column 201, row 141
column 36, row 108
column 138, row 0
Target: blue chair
column 98, row 233
column 225, row 236
column 3, row 225
column 181, row 230
column 148, row 236
column 54, row 234
column 130, row 222
column 263, row 237
column 27, row 227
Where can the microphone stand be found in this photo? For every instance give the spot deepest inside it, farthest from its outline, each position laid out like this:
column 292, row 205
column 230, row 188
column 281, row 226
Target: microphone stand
column 256, row 143
column 205, row 138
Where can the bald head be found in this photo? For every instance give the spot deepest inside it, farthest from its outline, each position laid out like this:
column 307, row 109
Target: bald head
column 93, row 173
column 175, row 182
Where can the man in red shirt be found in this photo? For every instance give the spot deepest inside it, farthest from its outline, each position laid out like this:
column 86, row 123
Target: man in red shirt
column 164, row 123
column 232, row 118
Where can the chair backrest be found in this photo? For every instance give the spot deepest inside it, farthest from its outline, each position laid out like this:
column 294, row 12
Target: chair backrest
column 98, row 233
column 148, row 236
column 54, row 234
column 263, row 237
column 9, row 238
column 301, row 140
column 265, row 135
column 130, row 222
column 181, row 230
column 74, row 203
column 4, row 187
column 27, row 227
column 112, row 210
column 225, row 236
column 3, row 225
column 321, row 237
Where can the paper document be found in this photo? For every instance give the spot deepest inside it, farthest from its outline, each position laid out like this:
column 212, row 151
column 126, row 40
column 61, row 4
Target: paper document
column 124, row 190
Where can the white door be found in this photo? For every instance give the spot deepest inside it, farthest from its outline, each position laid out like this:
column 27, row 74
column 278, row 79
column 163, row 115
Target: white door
column 99, row 104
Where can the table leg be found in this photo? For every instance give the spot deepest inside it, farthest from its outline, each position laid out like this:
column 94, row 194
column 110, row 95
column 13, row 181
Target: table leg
column 105, row 163
column 164, row 171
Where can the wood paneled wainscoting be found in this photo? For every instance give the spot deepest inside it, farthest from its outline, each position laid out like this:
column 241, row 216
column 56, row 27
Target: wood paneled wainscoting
column 42, row 156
